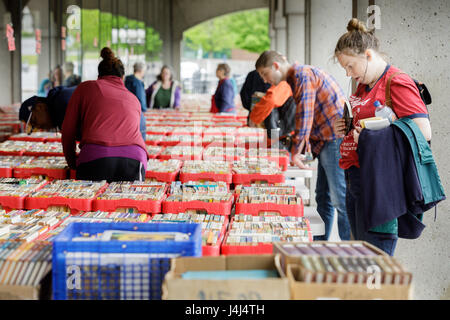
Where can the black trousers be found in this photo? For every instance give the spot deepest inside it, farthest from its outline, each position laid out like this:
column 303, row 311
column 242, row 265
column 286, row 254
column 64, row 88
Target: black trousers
column 111, row 169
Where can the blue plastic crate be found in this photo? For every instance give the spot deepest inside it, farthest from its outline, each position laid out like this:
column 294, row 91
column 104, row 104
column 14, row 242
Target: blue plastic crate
column 116, row 270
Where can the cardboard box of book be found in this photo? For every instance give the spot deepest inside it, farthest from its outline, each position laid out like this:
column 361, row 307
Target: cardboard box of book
column 41, row 291
column 248, row 277
column 290, row 252
column 384, row 284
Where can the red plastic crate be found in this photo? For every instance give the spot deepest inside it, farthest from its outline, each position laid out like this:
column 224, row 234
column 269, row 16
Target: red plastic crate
column 10, row 202
column 180, row 143
column 155, row 131
column 255, row 177
column 167, row 177
column 59, row 174
column 11, row 153
column 156, row 155
column 75, row 205
column 143, row 206
column 214, row 250
column 206, row 176
column 43, row 154
column 224, row 144
column 29, row 138
column 152, row 142
column 282, row 159
column 179, row 157
column 294, row 210
column 220, row 208
column 185, row 133
column 6, row 172
column 224, row 157
column 264, row 248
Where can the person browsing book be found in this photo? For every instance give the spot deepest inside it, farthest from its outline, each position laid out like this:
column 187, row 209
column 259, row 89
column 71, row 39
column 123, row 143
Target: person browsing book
column 223, row 99
column 134, row 82
column 107, row 117
column 320, row 102
column 357, row 51
column 165, row 92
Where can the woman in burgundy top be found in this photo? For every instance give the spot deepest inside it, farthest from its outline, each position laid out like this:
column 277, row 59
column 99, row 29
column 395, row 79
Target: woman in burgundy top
column 106, row 116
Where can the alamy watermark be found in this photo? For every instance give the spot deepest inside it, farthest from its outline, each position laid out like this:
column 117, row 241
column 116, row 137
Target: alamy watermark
column 374, row 17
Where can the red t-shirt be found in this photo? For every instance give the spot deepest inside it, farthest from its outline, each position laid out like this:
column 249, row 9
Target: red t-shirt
column 105, row 113
column 406, row 101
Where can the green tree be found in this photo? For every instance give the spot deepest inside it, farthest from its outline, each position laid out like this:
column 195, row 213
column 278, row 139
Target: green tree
column 248, row 30
column 90, row 29
column 251, row 30
column 153, row 44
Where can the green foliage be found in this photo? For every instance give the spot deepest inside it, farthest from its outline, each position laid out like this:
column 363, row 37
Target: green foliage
column 153, row 44
column 248, row 30
column 105, row 29
column 96, row 24
column 90, row 28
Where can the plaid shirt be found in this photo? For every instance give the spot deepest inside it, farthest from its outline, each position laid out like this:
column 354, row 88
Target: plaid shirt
column 320, row 101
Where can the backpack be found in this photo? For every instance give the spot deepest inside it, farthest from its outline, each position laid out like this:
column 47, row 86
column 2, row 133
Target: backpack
column 282, row 119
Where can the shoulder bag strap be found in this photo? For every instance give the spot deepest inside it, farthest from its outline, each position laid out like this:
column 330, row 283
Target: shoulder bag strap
column 388, row 99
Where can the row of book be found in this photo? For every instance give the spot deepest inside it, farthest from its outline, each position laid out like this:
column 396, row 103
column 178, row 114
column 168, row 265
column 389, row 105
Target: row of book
column 245, row 230
column 351, row 269
column 24, row 263
column 244, row 166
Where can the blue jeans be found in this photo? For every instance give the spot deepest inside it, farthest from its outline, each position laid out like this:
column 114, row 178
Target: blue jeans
column 143, row 126
column 384, row 241
column 330, row 191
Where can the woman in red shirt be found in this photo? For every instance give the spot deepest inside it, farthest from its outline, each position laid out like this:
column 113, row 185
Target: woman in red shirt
column 358, row 53
column 105, row 116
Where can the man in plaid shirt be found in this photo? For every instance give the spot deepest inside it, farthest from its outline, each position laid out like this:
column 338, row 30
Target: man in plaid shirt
column 320, row 101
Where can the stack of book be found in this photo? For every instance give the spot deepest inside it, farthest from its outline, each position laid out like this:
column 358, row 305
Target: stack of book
column 72, row 189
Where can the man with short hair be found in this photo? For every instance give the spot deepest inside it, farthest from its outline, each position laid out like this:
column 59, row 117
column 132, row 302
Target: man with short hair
column 70, row 79
column 135, row 84
column 320, row 101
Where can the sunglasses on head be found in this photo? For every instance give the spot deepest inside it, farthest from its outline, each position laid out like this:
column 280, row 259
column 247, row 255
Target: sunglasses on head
column 29, row 124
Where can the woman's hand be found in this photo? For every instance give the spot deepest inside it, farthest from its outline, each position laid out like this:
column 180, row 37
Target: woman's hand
column 356, row 133
column 339, row 127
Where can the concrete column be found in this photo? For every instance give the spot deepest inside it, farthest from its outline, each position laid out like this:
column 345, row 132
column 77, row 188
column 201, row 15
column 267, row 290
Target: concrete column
column 176, row 55
column 5, row 63
column 16, row 56
column 41, row 15
column 415, row 36
column 279, row 28
column 328, row 22
column 295, row 30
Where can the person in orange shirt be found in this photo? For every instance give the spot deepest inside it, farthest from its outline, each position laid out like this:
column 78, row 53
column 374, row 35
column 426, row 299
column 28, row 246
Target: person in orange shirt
column 275, row 97
column 277, row 123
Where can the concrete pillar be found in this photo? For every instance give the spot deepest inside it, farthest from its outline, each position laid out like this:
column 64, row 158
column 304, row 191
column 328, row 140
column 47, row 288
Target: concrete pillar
column 15, row 57
column 176, row 55
column 295, row 30
column 5, row 64
column 415, row 35
column 328, row 21
column 279, row 27
column 40, row 12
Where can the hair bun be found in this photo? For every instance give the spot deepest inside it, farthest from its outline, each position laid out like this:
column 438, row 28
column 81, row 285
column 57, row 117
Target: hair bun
column 107, row 54
column 355, row 24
